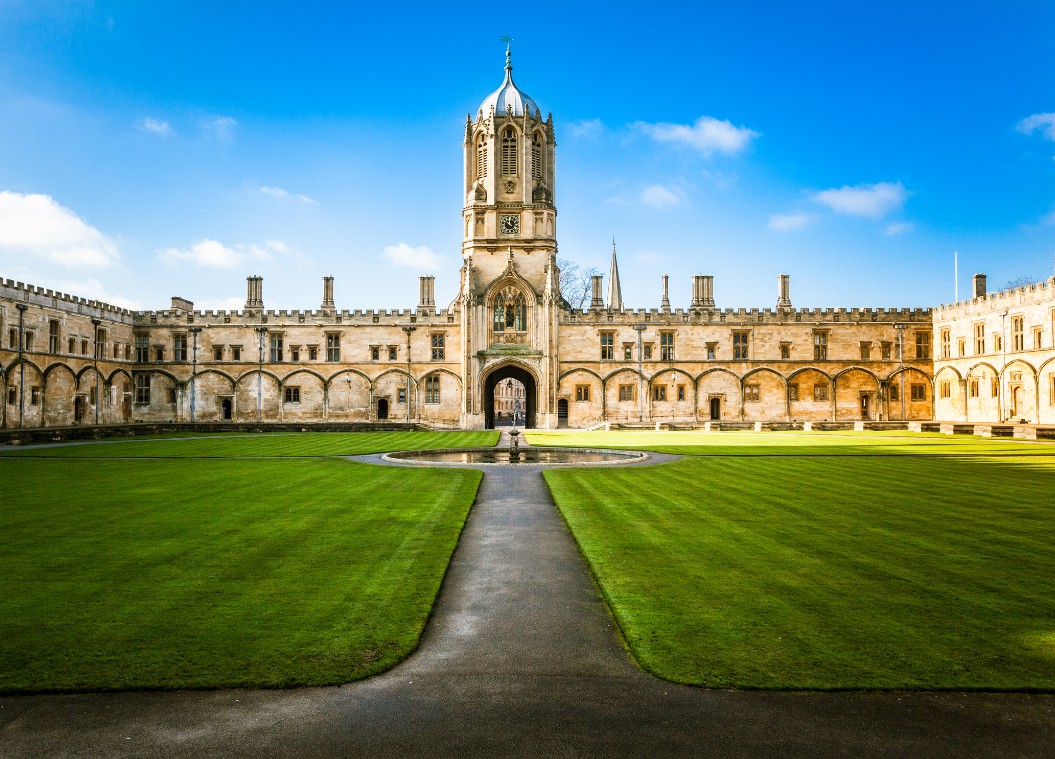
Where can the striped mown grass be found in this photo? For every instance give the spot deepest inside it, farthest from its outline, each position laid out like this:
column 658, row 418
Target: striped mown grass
column 274, row 444
column 698, row 443
column 192, row 572
column 824, row 572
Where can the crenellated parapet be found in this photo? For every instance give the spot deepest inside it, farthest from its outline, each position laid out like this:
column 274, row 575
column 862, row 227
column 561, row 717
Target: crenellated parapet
column 39, row 296
column 295, row 317
column 983, row 302
column 731, row 316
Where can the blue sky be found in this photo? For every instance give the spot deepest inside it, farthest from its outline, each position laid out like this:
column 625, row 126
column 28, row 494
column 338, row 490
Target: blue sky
column 151, row 149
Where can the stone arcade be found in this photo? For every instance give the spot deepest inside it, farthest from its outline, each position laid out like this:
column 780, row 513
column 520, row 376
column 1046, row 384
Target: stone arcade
column 66, row 360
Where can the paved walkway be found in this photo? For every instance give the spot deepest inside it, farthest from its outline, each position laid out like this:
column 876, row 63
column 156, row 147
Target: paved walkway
column 521, row 658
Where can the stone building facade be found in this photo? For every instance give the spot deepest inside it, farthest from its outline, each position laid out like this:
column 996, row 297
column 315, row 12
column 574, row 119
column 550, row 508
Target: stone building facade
column 66, row 360
column 995, row 355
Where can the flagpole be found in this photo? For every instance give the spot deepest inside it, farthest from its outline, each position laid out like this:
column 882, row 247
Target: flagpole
column 956, row 275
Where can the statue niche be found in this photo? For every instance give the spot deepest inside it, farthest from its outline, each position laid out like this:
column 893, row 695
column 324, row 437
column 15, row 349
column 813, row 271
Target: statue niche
column 510, row 316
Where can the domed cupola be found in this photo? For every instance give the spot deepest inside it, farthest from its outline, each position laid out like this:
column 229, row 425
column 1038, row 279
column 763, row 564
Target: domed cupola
column 509, row 98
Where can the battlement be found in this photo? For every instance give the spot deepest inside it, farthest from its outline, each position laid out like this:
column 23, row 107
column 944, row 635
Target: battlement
column 747, row 315
column 39, row 296
column 294, row 317
column 1038, row 292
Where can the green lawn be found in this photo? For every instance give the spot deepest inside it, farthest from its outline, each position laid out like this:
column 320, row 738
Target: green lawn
column 819, row 570
column 184, row 571
column 261, row 444
column 689, row 443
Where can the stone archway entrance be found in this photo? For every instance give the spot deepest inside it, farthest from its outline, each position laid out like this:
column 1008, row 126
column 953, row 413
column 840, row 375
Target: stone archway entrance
column 526, row 378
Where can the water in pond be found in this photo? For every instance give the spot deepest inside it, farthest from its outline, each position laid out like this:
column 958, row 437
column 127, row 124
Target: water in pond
column 548, row 456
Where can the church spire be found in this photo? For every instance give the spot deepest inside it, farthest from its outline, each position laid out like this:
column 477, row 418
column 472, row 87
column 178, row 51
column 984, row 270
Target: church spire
column 615, row 292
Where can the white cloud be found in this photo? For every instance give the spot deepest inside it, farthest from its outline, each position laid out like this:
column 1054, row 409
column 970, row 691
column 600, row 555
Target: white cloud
column 872, row 200
column 93, row 289
column 220, row 127
column 1045, row 122
column 707, row 135
column 279, row 194
column 787, row 222
column 160, row 128
column 586, row 128
column 216, row 254
column 899, row 228
column 38, row 227
column 659, row 196
column 420, row 257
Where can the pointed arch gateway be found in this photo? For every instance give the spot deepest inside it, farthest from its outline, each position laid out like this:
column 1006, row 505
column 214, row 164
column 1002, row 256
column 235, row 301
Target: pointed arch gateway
column 522, row 375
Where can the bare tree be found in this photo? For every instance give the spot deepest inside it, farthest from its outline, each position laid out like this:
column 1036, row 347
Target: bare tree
column 1022, row 280
column 575, row 282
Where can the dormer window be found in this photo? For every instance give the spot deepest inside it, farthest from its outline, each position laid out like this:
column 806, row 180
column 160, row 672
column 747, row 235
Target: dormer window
column 536, row 157
column 481, row 157
column 509, row 152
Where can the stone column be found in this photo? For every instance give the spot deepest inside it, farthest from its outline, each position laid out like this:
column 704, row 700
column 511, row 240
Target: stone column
column 254, row 297
column 327, row 294
column 596, row 299
column 784, row 291
column 979, row 285
column 426, row 294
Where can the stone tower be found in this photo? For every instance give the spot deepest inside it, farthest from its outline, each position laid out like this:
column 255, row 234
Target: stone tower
column 509, row 296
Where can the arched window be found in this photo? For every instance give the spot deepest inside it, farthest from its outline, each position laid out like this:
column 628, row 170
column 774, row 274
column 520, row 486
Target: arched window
column 481, row 157
column 510, row 311
column 536, row 157
column 509, row 152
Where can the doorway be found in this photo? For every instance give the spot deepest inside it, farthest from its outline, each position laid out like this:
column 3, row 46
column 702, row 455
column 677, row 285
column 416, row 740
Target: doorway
column 78, row 409
column 716, row 409
column 226, row 409
column 866, row 406
column 510, row 400
column 525, row 378
column 382, row 408
column 562, row 412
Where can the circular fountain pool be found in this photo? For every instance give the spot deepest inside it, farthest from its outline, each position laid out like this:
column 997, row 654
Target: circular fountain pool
column 501, row 457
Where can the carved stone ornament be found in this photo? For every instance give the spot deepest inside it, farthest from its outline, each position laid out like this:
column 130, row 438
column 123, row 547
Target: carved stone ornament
column 511, row 187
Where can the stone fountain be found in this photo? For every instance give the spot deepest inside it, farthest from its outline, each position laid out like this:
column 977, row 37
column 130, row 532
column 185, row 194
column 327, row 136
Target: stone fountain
column 514, row 445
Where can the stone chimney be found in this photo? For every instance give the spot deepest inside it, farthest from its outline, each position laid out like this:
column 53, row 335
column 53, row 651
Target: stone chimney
column 327, row 294
column 596, row 296
column 426, row 295
column 784, row 291
column 254, row 292
column 979, row 285
column 181, row 304
column 702, row 291
column 664, row 305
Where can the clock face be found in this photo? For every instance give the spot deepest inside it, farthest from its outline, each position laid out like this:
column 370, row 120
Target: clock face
column 509, row 224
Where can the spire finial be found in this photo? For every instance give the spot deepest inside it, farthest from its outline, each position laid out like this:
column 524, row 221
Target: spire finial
column 615, row 290
column 509, row 58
